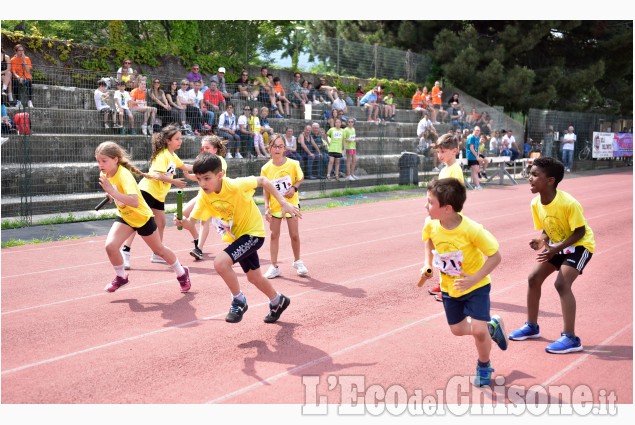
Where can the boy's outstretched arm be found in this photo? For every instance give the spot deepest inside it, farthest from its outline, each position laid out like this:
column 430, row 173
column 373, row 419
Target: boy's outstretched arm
column 426, row 271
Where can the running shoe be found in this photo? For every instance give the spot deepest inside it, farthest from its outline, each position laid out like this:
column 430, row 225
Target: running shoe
column 236, row 311
column 434, row 291
column 154, row 258
column 529, row 330
column 275, row 312
column 567, row 343
column 272, row 272
column 184, row 280
column 497, row 331
column 439, row 297
column 197, row 253
column 300, row 267
column 116, row 283
column 483, row 375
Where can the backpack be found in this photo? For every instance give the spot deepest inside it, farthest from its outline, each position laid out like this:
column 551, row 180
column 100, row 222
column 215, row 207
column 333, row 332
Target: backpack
column 22, row 123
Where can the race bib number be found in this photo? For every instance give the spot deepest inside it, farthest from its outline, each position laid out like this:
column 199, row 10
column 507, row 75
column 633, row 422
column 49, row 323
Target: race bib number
column 450, row 263
column 224, row 229
column 282, row 184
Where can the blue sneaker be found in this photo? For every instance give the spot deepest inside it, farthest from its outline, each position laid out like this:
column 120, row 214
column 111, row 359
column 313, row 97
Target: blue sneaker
column 483, row 375
column 529, row 330
column 497, row 331
column 566, row 344
column 236, row 311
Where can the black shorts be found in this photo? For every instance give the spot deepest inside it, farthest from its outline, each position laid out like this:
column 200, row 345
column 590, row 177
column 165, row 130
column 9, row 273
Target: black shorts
column 145, row 230
column 244, row 251
column 578, row 259
column 152, row 202
column 335, row 154
column 471, row 162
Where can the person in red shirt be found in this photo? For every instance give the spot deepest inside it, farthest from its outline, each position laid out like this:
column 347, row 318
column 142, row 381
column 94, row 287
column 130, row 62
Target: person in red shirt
column 213, row 99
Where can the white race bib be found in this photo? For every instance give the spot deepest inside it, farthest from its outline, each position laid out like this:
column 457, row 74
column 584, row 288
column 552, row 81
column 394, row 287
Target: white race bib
column 282, row 184
column 450, row 263
column 224, row 229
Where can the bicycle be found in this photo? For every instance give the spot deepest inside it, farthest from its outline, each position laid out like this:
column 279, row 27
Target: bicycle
column 585, row 153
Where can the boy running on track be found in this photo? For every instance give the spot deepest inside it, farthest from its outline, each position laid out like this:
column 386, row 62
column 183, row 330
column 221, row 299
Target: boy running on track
column 566, row 245
column 286, row 176
column 455, row 245
column 238, row 220
column 447, row 148
column 133, row 214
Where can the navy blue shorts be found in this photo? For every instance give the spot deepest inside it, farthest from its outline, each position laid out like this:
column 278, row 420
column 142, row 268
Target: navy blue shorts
column 475, row 305
column 244, row 251
column 578, row 259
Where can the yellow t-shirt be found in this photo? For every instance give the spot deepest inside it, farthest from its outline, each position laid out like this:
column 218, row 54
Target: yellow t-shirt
column 125, row 183
column 560, row 218
column 165, row 163
column 233, row 210
column 349, row 138
column 283, row 177
column 454, row 171
column 461, row 249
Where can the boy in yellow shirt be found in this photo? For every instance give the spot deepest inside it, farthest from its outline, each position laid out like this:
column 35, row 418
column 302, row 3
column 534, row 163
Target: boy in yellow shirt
column 465, row 254
column 235, row 216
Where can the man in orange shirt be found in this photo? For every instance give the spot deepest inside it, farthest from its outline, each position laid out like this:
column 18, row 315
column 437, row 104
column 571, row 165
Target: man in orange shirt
column 437, row 102
column 21, row 68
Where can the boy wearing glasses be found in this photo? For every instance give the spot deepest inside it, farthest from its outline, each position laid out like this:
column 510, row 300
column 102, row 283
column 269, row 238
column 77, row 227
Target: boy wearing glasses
column 236, row 217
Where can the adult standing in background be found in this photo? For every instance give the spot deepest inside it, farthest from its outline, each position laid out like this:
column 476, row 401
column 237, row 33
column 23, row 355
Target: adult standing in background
column 21, row 69
column 194, row 75
column 220, row 83
column 568, row 144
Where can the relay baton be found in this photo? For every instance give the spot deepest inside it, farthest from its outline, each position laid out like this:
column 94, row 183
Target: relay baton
column 102, row 203
column 179, row 207
column 428, row 274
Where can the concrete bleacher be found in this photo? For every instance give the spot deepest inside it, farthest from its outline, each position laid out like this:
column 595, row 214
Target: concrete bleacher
column 66, row 131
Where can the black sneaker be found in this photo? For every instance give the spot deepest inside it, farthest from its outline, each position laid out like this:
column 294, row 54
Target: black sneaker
column 275, row 312
column 197, row 253
column 236, row 311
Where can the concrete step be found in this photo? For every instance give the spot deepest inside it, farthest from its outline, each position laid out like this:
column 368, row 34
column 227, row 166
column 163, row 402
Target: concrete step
column 70, row 148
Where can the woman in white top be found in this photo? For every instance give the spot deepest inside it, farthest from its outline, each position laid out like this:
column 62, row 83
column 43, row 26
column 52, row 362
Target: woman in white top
column 291, row 145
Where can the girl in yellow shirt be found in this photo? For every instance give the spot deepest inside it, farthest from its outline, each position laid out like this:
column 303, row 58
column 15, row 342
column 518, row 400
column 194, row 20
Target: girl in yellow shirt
column 286, row 175
column 133, row 214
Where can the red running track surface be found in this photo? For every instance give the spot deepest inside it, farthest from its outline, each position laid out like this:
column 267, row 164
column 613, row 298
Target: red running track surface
column 360, row 314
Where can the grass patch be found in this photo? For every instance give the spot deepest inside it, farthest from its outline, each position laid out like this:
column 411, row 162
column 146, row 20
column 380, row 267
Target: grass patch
column 19, row 223
column 19, row 242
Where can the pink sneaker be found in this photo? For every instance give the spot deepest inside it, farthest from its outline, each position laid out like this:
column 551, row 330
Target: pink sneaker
column 184, row 280
column 116, row 283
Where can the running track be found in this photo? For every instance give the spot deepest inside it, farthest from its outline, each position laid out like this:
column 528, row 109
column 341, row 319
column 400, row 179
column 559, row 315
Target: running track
column 65, row 341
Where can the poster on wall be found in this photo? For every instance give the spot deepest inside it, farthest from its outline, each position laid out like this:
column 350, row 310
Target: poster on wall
column 623, row 144
column 603, row 145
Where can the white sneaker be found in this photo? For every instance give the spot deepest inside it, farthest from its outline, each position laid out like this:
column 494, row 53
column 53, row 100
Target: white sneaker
column 126, row 259
column 18, row 104
column 238, row 156
column 144, row 129
column 350, row 178
column 568, row 170
column 354, row 177
column 479, row 187
column 301, row 268
column 436, row 169
column 154, row 258
column 272, row 272
column 30, row 104
column 106, row 125
column 228, row 156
